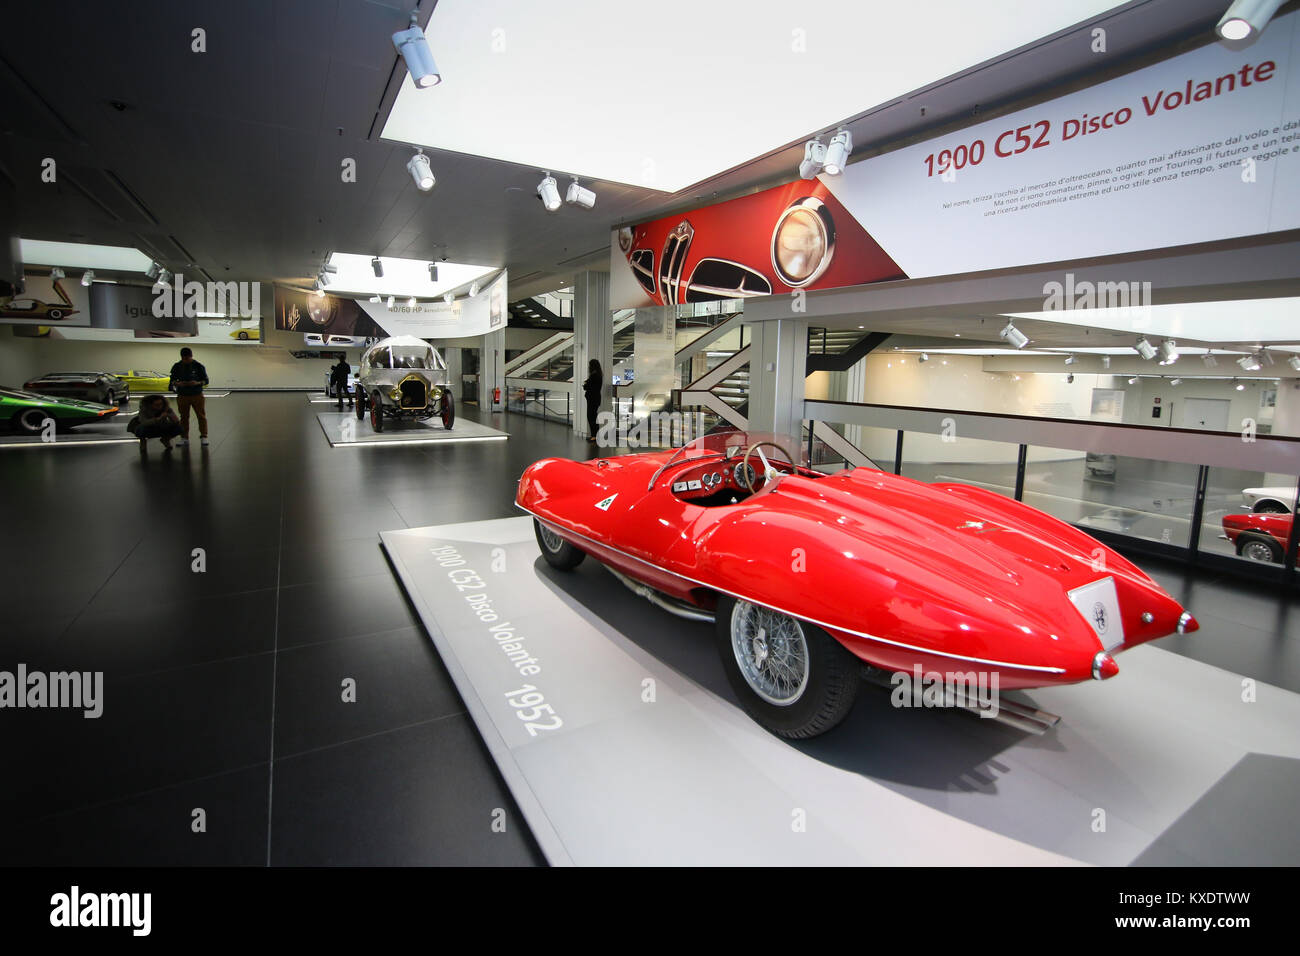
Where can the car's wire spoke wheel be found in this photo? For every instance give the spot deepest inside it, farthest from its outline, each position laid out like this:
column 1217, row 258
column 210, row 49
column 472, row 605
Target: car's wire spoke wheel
column 772, row 653
column 551, row 541
column 1257, row 551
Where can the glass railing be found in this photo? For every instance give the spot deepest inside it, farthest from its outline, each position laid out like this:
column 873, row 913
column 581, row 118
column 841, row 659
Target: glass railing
column 554, row 405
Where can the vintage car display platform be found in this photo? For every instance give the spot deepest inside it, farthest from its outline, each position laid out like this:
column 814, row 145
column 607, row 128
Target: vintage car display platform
column 613, row 724
column 343, row 429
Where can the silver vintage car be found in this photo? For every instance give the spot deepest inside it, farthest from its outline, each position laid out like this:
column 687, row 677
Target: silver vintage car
column 403, row 377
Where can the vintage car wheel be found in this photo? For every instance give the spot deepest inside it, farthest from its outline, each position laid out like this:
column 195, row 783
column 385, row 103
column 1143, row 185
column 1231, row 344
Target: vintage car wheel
column 361, row 403
column 448, row 410
column 792, row 677
column 376, row 413
column 1259, row 548
column 32, row 420
column 558, row 553
column 1270, row 507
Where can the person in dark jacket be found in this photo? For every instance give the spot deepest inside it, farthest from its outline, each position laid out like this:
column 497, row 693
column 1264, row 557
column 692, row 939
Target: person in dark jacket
column 591, row 389
column 339, row 381
column 188, row 379
column 156, row 420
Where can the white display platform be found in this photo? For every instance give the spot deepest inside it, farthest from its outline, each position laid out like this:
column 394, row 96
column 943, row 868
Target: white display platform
column 136, row 396
column 344, row 429
column 690, row 779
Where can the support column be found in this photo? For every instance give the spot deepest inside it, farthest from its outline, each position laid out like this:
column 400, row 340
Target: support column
column 491, row 369
column 451, row 355
column 593, row 338
column 777, row 368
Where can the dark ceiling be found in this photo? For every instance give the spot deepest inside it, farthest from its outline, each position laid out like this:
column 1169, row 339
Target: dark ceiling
column 229, row 161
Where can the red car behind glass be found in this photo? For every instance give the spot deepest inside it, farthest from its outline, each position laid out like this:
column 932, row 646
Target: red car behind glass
column 1259, row 537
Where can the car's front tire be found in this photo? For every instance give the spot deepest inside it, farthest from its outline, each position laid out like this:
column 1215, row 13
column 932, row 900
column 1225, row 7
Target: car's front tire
column 792, row 678
column 376, row 412
column 448, row 410
column 558, row 553
column 1259, row 548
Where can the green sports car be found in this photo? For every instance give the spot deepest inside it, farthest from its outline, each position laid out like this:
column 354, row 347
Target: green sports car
column 28, row 412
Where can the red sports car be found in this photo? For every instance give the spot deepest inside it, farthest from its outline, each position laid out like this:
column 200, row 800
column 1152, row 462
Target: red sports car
column 808, row 576
column 796, row 236
column 1259, row 537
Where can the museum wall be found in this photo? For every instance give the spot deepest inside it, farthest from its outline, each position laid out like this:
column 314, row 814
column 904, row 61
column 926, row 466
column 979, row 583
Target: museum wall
column 229, row 366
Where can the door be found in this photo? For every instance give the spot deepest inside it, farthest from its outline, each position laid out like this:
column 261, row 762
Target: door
column 1208, row 413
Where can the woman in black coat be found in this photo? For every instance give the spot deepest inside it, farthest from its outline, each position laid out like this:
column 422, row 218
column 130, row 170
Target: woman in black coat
column 591, row 389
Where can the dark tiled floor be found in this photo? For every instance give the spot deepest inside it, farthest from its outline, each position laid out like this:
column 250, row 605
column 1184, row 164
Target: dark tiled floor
column 223, row 689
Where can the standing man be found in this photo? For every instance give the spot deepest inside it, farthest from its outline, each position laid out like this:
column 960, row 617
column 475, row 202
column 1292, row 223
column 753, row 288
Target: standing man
column 339, row 380
column 187, row 380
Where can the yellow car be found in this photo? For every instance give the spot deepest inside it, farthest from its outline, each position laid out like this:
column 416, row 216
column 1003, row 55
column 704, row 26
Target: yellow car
column 144, row 381
column 253, row 334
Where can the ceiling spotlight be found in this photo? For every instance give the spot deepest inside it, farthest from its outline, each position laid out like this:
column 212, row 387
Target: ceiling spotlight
column 375, row 298
column 418, row 167
column 433, row 272
column 377, row 264
column 924, row 357
column 152, row 271
column 411, row 302
column 317, row 285
column 578, row 196
column 1249, row 362
column 1175, row 382
column 1014, row 337
column 1209, row 360
column 1294, row 362
column 1240, row 387
column 837, row 153
column 413, row 46
column 814, row 158
column 164, row 278
column 56, row 273
column 449, row 298
column 390, row 302
column 318, row 292
column 88, row 277
column 1168, row 352
column 1069, row 379
column 1070, row 360
column 473, row 289
column 549, row 193
column 1105, row 361
column 1246, row 18
column 1145, row 349
column 1133, row 380
column 329, row 269
column 323, row 277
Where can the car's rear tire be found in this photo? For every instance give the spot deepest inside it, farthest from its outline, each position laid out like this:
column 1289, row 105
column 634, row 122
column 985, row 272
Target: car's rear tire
column 361, row 403
column 448, row 410
column 1270, row 507
column 558, row 553
column 32, row 420
column 793, row 678
column 54, row 314
column 243, row 336
column 376, row 413
column 1259, row 548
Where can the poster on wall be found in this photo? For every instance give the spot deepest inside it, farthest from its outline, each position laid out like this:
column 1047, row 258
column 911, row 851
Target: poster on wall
column 1200, row 147
column 305, row 312
column 464, row 317
column 1108, row 403
column 796, row 236
column 46, row 301
column 119, row 306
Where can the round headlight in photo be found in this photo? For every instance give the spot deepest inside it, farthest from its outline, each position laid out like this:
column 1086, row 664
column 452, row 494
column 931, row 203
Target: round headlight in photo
column 803, row 242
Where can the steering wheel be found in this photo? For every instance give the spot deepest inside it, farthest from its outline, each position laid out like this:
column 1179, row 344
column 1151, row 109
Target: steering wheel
column 769, row 472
